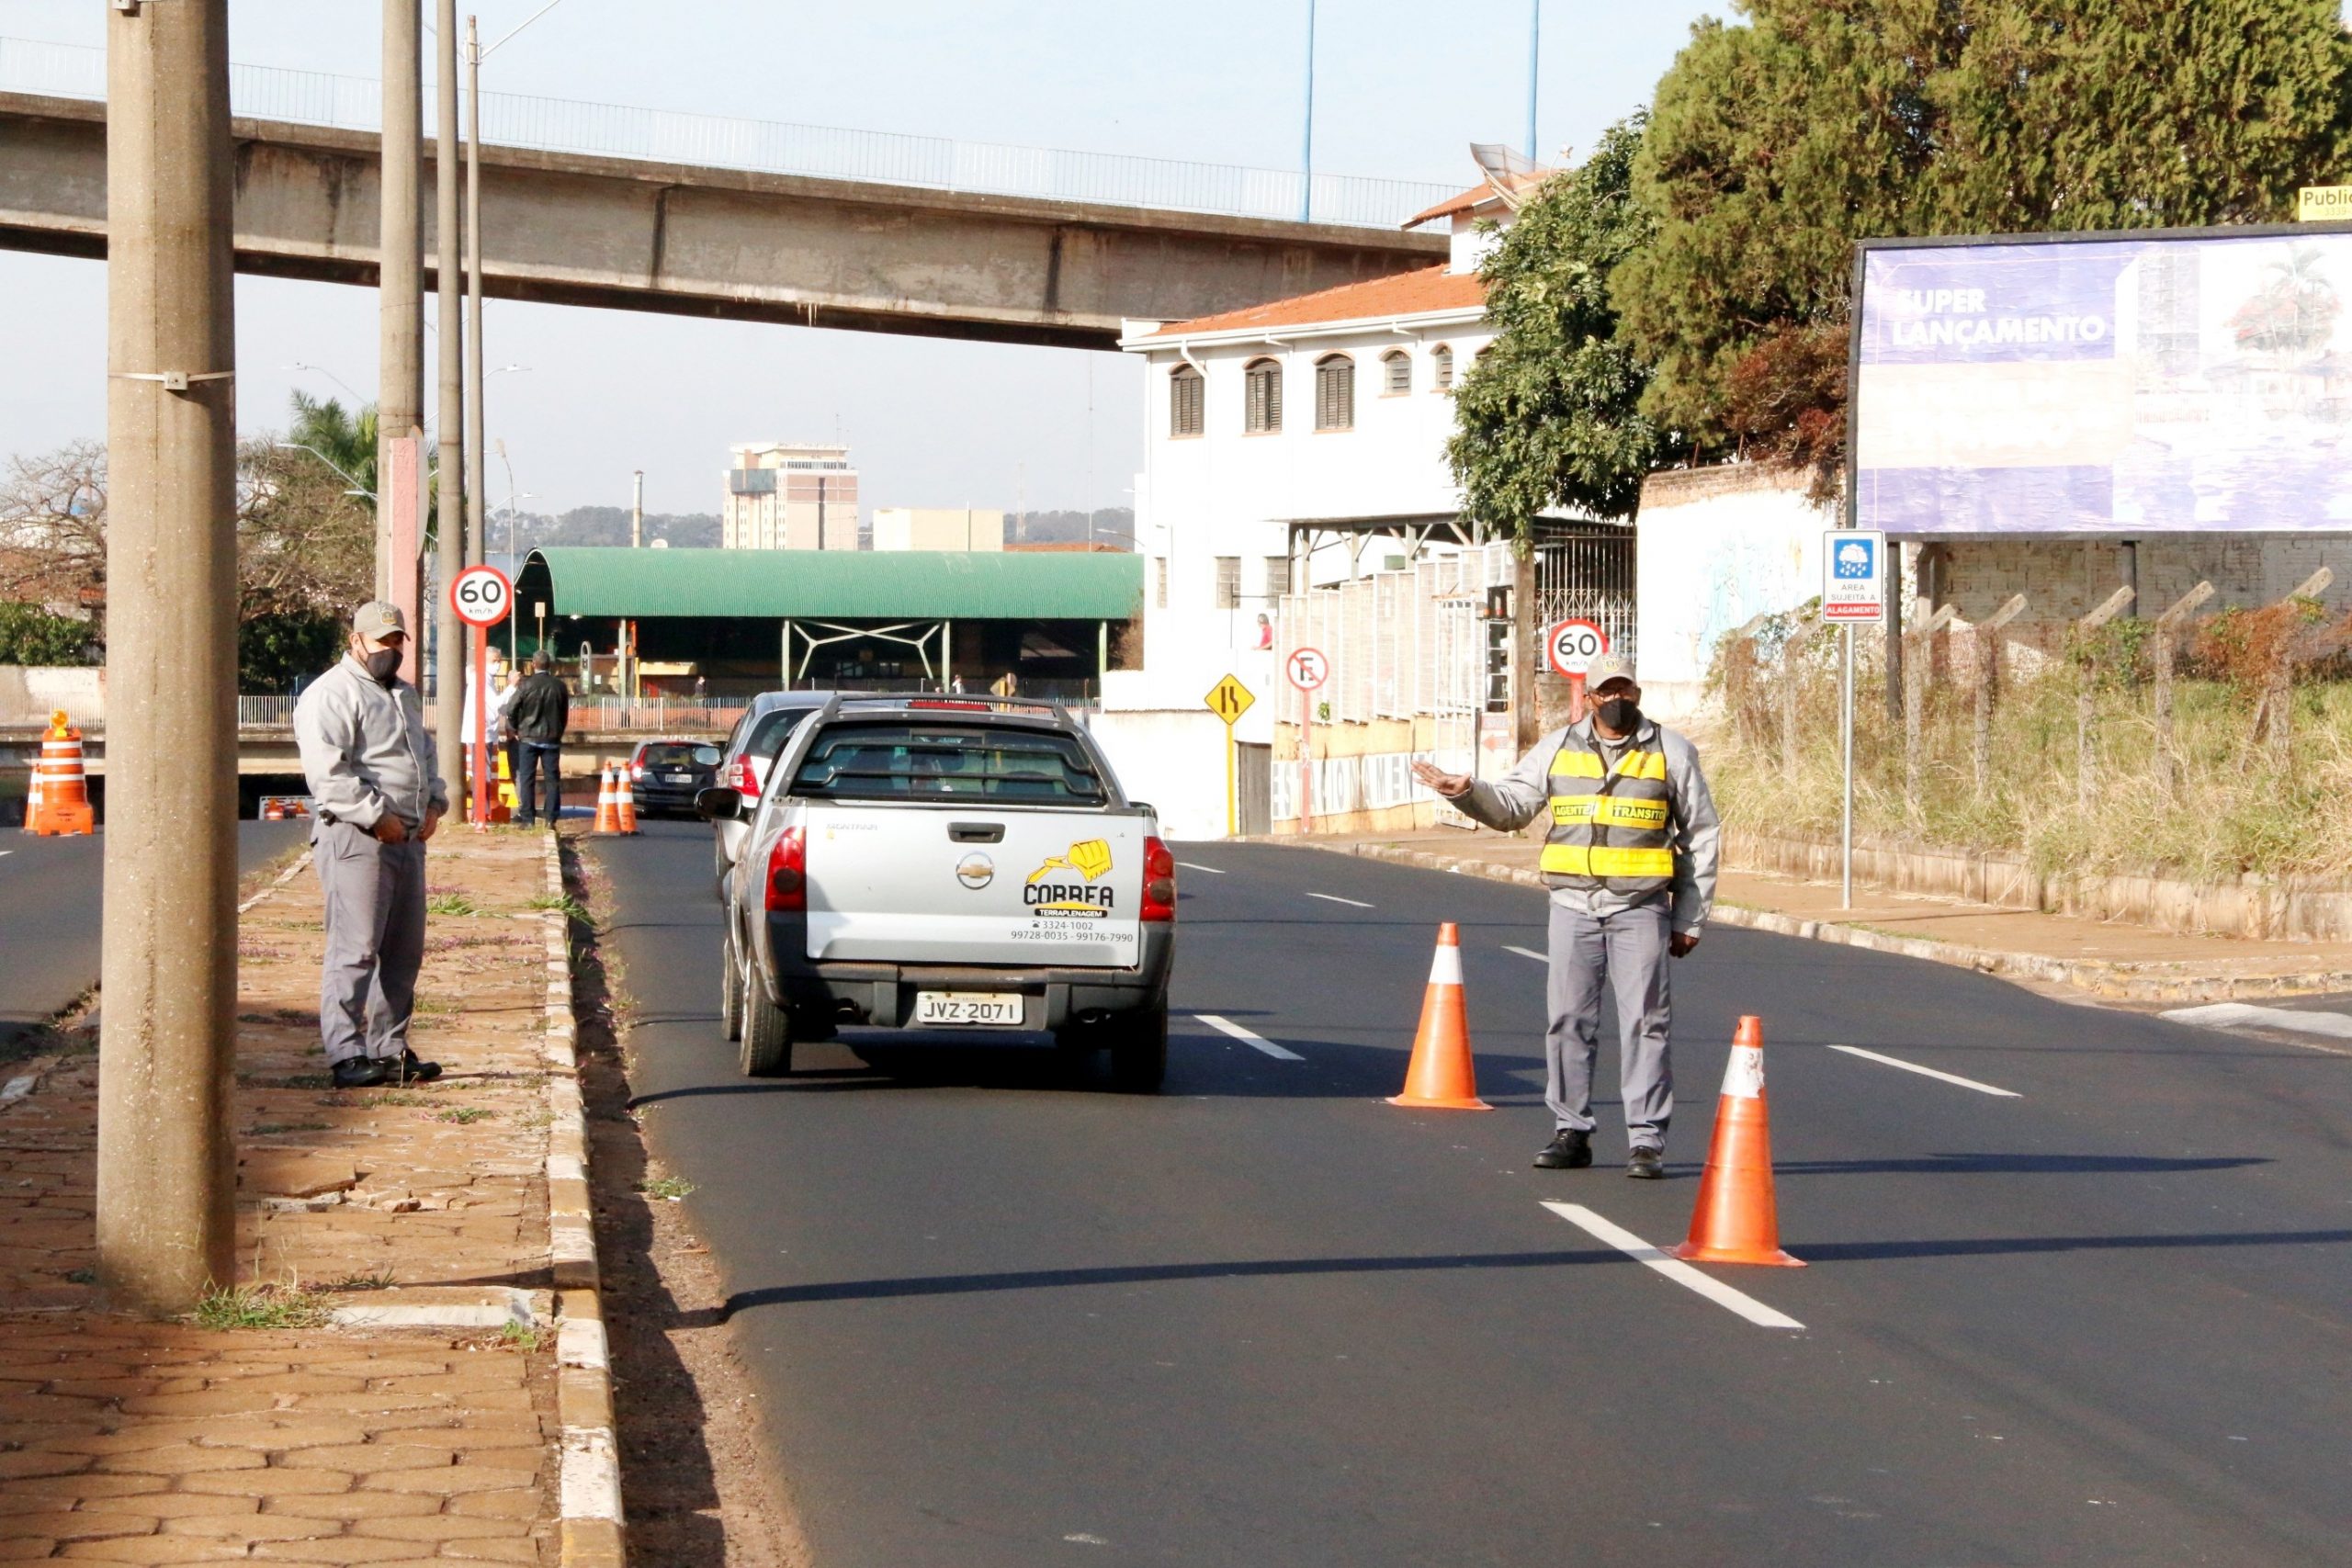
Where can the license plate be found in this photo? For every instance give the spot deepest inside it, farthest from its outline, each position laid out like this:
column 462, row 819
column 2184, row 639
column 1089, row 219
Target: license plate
column 968, row 1006
column 679, row 778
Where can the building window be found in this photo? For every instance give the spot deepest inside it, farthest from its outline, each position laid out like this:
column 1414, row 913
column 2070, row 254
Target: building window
column 1160, row 582
column 1228, row 582
column 1335, row 393
column 1262, row 384
column 1184, row 402
column 1277, row 576
column 1396, row 373
column 1441, row 367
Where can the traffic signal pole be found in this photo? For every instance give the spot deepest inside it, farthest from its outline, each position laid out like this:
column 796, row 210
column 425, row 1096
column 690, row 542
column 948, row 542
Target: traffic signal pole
column 166, row 1220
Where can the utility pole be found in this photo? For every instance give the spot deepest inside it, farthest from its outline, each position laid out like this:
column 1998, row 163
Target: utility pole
column 449, row 649
column 637, row 514
column 1534, row 55
column 400, row 348
column 166, row 1171
column 1307, row 152
column 476, row 455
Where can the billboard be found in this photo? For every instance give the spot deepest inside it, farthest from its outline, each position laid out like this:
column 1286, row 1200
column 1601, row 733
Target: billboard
column 2127, row 385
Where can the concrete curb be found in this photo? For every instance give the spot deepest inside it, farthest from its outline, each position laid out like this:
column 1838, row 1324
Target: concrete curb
column 589, row 1478
column 2152, row 982
column 280, row 880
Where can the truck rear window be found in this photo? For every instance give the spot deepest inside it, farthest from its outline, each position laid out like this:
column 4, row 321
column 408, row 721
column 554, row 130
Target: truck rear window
column 948, row 761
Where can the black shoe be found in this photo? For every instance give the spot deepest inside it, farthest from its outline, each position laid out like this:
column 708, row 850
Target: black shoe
column 1570, row 1149
column 361, row 1072
column 1645, row 1165
column 408, row 1069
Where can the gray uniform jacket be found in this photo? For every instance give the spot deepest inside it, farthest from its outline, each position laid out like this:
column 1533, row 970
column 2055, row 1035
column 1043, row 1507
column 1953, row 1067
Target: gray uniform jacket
column 365, row 749
column 1524, row 792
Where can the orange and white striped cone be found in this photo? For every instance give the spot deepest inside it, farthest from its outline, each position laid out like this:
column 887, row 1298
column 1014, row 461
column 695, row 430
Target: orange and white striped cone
column 623, row 799
column 1736, row 1220
column 608, row 808
column 1442, row 1076
column 64, row 801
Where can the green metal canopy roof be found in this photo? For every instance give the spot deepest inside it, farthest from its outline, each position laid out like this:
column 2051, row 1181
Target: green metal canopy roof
column 849, row 585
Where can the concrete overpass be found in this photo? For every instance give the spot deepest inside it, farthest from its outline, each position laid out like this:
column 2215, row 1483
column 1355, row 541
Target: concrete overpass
column 625, row 233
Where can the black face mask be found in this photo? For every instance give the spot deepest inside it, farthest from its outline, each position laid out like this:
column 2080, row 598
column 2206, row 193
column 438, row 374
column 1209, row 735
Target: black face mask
column 1621, row 713
column 384, row 664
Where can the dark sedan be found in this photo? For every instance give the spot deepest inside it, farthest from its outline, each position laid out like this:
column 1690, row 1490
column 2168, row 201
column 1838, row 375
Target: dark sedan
column 665, row 776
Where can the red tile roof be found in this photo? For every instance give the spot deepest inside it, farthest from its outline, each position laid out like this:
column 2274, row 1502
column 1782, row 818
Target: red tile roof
column 1406, row 294
column 1476, row 196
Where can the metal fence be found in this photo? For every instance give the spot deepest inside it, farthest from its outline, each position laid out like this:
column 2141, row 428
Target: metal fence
column 558, row 125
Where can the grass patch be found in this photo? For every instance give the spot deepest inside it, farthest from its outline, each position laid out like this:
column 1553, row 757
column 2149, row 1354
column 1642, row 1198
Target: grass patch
column 271, row 1129
column 519, row 1335
column 451, row 904
column 562, row 904
column 399, row 1097
column 260, row 1306
column 381, row 1280
column 465, row 1116
column 667, row 1189
column 81, row 1276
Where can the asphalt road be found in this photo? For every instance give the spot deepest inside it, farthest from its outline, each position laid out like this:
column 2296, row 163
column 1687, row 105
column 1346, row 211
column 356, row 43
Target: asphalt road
column 997, row 1316
column 49, row 915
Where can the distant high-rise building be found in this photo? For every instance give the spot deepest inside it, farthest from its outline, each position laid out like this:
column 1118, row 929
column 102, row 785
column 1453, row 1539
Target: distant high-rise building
column 783, row 497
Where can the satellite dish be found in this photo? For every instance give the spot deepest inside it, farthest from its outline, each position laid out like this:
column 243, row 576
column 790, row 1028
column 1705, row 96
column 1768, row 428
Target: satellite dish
column 1510, row 174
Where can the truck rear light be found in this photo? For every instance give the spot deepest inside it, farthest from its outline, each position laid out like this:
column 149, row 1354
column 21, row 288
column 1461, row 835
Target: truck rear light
column 745, row 782
column 1158, row 881
column 789, row 873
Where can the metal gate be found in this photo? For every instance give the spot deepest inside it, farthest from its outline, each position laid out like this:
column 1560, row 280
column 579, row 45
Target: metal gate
column 1256, row 788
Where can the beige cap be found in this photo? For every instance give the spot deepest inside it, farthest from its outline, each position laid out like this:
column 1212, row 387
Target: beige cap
column 1608, row 667
column 377, row 620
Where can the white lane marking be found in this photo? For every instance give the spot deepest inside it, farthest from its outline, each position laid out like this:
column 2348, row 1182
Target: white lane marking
column 2240, row 1015
column 1674, row 1268
column 1927, row 1072
column 1226, row 1026
column 1529, row 953
column 1335, row 898
column 1195, row 865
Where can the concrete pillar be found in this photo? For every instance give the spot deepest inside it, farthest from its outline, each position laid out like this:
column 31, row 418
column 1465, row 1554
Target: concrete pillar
column 449, row 554
column 476, row 447
column 166, row 1223
column 399, row 332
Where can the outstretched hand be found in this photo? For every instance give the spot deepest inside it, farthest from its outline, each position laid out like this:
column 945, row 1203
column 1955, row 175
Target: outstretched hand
column 1451, row 786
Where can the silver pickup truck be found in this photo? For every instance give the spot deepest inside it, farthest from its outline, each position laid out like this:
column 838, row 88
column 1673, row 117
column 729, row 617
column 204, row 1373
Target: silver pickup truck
column 947, row 863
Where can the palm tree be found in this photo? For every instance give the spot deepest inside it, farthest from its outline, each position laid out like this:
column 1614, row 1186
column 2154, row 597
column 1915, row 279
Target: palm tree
column 344, row 439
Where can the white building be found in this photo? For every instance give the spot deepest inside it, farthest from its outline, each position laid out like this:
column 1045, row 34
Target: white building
column 786, row 497
column 938, row 528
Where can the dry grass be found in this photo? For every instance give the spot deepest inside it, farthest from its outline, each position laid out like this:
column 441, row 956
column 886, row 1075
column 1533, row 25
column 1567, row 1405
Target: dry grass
column 2235, row 812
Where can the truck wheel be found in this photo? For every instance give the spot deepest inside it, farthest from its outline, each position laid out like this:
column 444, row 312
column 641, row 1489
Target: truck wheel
column 767, row 1031
column 1138, row 1050
column 730, row 988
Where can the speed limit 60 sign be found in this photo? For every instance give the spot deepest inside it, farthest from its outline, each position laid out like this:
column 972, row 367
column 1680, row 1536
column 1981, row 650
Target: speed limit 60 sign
column 1572, row 646
column 481, row 595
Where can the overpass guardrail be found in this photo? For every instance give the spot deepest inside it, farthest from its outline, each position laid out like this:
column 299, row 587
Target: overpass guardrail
column 778, row 147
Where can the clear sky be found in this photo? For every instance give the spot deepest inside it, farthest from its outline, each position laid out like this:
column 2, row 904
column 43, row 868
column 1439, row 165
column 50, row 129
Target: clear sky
column 1402, row 86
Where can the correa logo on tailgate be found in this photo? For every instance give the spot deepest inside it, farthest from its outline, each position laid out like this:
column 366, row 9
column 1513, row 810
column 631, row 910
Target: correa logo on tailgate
column 1080, row 893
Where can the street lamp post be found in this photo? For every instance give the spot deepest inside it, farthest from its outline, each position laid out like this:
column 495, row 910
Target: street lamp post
column 1534, row 53
column 1307, row 153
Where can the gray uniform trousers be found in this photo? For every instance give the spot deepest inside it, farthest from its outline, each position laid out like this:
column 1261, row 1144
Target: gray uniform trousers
column 375, row 908
column 1626, row 952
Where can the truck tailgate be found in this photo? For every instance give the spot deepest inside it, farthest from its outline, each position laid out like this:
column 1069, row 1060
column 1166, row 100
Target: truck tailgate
column 970, row 885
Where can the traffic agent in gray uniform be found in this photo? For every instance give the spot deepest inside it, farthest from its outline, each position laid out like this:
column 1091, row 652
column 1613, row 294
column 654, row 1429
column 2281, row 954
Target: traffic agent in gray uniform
column 377, row 798
column 1630, row 863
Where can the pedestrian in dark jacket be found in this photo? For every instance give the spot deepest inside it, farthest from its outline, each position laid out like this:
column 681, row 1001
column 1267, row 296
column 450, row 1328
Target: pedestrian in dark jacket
column 538, row 713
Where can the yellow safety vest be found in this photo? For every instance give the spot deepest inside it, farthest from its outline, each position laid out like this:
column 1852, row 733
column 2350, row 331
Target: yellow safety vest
column 1612, row 828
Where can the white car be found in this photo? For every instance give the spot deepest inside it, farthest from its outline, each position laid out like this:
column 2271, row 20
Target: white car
column 744, row 762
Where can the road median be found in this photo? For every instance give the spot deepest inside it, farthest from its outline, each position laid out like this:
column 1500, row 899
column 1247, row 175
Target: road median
column 409, row 1366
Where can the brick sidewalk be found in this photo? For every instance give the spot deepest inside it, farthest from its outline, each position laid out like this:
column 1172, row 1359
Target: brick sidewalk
column 129, row 1441
column 2103, row 956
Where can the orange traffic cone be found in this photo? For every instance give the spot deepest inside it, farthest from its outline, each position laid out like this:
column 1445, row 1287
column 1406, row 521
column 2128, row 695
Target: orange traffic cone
column 608, row 807
column 624, row 799
column 1442, row 1076
column 62, row 802
column 1735, row 1220
column 273, row 810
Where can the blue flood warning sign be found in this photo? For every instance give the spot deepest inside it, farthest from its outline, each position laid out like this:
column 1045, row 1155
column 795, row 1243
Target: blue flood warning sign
column 1853, row 584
